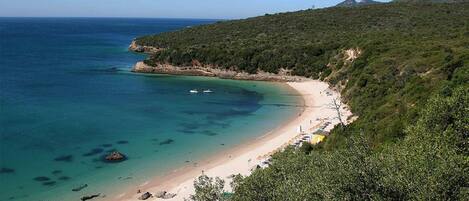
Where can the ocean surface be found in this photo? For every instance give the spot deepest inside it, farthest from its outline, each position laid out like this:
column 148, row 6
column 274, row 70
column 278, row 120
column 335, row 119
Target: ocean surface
column 67, row 98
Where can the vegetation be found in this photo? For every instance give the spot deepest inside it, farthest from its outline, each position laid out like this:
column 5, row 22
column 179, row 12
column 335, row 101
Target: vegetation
column 408, row 52
column 403, row 146
column 430, row 163
column 207, row 188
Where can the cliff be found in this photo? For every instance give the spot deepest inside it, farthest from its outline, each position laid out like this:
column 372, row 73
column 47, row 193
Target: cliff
column 143, row 48
column 198, row 70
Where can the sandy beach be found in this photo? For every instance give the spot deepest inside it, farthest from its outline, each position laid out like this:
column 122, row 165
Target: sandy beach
column 241, row 159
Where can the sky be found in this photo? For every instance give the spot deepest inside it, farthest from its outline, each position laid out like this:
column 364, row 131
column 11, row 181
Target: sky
column 203, row 9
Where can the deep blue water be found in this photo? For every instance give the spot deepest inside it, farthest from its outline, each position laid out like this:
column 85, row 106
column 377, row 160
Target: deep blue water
column 67, row 98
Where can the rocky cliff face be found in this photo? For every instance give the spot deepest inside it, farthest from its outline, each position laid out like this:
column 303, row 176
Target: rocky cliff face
column 143, row 49
column 198, row 69
column 141, row 67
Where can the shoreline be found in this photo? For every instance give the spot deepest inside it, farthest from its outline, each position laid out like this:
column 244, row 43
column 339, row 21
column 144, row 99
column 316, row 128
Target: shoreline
column 316, row 95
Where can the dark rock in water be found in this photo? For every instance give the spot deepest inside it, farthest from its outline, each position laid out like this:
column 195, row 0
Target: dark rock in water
column 209, row 133
column 94, row 152
column 98, row 167
column 56, row 172
column 145, row 196
column 64, row 178
column 168, row 141
column 89, row 197
column 49, row 183
column 79, row 188
column 123, row 142
column 65, row 158
column 106, row 145
column 115, row 157
column 41, row 178
column 5, row 170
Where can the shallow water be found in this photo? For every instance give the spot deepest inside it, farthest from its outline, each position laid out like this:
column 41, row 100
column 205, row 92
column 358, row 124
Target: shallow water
column 67, row 98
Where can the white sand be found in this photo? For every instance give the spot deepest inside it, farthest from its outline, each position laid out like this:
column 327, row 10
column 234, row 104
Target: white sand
column 243, row 158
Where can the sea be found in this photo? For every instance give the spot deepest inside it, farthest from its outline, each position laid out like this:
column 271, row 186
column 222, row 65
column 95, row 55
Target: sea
column 68, row 98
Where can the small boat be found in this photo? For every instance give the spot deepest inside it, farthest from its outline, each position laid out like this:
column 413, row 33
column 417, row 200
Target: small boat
column 194, row 91
column 208, row 91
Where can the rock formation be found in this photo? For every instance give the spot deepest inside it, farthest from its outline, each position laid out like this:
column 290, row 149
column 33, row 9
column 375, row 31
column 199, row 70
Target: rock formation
column 115, row 156
column 145, row 196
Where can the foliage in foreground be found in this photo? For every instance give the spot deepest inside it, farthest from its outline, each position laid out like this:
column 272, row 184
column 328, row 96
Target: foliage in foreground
column 207, row 188
column 431, row 163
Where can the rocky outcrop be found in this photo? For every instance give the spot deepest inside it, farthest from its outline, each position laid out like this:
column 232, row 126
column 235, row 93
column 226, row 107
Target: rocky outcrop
column 169, row 196
column 89, row 197
column 145, row 196
column 160, row 194
column 352, row 54
column 143, row 49
column 198, row 70
column 115, row 156
column 164, row 195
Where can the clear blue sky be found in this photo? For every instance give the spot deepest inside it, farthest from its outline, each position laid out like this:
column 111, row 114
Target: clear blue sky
column 212, row 9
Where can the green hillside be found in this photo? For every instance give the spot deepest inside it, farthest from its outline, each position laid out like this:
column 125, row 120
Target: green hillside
column 409, row 51
column 403, row 145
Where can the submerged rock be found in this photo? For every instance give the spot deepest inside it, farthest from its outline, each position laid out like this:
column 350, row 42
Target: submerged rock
column 41, row 178
column 49, row 183
column 145, row 196
column 79, row 188
column 115, row 157
column 123, row 142
column 168, row 141
column 5, row 170
column 66, row 158
column 89, row 197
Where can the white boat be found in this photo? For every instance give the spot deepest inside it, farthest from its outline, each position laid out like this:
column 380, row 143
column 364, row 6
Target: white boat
column 208, row 91
column 193, row 91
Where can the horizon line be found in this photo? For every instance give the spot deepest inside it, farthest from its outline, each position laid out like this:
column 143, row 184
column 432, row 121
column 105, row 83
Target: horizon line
column 167, row 18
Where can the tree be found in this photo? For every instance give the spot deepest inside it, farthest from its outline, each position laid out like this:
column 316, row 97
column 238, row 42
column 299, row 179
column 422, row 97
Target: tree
column 208, row 189
column 336, row 104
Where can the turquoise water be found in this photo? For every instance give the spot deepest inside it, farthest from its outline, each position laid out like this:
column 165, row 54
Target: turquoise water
column 67, row 98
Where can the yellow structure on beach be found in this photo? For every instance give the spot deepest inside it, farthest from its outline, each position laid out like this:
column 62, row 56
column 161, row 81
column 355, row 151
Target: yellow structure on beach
column 316, row 139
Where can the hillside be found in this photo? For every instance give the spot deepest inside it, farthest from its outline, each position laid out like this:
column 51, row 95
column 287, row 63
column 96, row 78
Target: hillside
column 407, row 52
column 402, row 67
